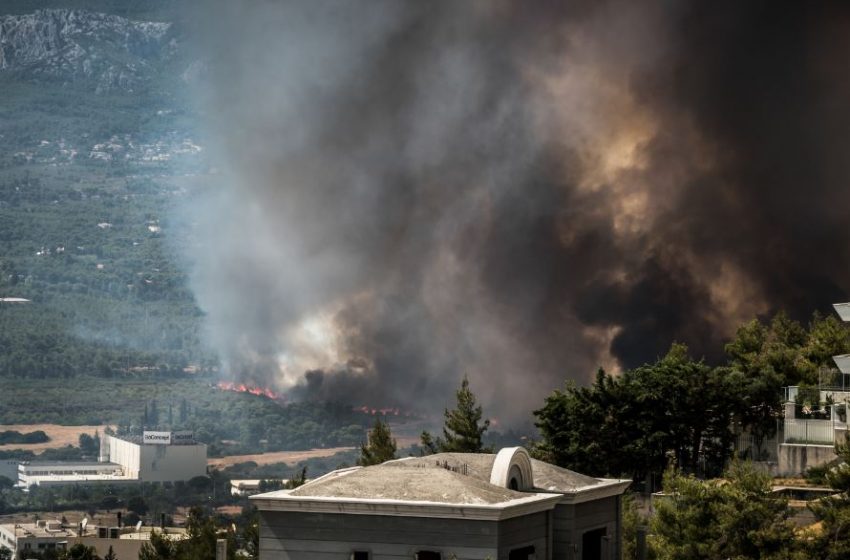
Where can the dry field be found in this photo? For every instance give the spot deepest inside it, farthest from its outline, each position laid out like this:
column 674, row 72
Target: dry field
column 60, row 436
column 288, row 457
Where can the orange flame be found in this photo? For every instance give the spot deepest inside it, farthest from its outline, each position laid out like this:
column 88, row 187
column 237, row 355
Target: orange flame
column 242, row 388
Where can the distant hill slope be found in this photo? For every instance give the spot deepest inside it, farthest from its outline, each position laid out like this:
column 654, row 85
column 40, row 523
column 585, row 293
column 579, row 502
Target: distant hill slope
column 111, row 51
column 98, row 149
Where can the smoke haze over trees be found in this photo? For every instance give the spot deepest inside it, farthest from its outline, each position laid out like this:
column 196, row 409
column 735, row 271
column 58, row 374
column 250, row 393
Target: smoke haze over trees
column 523, row 192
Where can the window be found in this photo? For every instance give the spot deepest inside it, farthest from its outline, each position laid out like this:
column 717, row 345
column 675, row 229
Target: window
column 524, row 553
column 360, row 555
column 591, row 544
column 428, row 555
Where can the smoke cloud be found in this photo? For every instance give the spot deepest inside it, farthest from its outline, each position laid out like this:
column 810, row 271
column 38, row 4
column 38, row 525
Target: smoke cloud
column 520, row 192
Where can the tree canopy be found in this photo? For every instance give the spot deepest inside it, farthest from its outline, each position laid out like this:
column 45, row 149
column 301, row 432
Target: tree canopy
column 833, row 512
column 81, row 552
column 629, row 424
column 734, row 517
column 463, row 430
column 775, row 354
column 200, row 543
column 380, row 446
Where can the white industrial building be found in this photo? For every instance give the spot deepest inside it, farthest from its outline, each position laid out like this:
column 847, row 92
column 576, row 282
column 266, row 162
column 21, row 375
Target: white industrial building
column 9, row 469
column 151, row 457
column 54, row 473
column 156, row 456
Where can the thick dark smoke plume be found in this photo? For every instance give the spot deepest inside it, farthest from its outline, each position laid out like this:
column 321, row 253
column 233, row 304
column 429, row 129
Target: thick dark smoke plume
column 518, row 191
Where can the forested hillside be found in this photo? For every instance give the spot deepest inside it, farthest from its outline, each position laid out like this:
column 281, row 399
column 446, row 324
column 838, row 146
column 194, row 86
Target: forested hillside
column 97, row 153
column 100, row 161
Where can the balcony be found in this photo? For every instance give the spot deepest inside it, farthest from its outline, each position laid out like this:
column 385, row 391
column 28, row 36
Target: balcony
column 811, row 432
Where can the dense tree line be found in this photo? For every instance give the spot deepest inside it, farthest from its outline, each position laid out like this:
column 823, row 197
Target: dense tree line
column 734, row 517
column 12, row 436
column 739, row 516
column 685, row 410
column 230, row 422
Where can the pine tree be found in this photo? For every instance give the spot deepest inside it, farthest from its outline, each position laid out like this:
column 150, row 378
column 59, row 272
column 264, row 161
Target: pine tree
column 463, row 430
column 737, row 516
column 297, row 480
column 833, row 512
column 158, row 547
column 380, row 445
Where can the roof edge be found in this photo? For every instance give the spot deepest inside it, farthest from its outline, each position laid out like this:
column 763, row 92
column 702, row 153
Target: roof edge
column 605, row 489
column 532, row 503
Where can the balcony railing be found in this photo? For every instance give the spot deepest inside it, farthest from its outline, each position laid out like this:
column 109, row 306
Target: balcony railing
column 810, row 431
column 836, row 393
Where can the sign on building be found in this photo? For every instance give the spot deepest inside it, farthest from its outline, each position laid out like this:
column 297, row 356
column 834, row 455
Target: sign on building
column 161, row 438
column 183, row 437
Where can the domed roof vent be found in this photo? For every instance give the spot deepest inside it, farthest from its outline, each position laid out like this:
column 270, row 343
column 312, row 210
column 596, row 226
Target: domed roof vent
column 512, row 469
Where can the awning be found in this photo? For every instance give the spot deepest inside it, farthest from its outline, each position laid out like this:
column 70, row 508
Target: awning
column 843, row 310
column 843, row 362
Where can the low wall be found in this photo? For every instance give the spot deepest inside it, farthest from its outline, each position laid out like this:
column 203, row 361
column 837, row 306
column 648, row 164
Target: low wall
column 795, row 458
column 771, row 468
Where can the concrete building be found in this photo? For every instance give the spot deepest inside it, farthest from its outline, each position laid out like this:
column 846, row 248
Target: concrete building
column 125, row 542
column 43, row 536
column 503, row 506
column 151, row 457
column 56, row 473
column 249, row 487
column 9, row 469
column 809, row 433
column 34, row 537
column 156, row 456
column 811, row 429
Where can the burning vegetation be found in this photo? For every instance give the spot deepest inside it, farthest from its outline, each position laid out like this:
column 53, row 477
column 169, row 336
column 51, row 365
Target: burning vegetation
column 243, row 388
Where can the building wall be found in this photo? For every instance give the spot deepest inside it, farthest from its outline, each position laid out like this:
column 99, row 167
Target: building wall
column 527, row 530
column 124, row 549
column 168, row 463
column 7, row 537
column 126, row 454
column 570, row 522
column 795, row 458
column 319, row 536
column 35, row 469
column 159, row 463
column 24, row 544
column 9, row 469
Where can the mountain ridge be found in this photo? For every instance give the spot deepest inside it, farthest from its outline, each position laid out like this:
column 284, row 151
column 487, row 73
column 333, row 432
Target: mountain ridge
column 112, row 51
